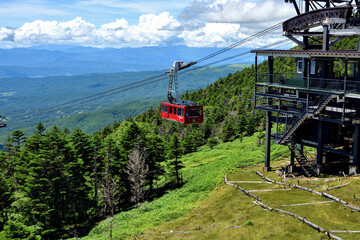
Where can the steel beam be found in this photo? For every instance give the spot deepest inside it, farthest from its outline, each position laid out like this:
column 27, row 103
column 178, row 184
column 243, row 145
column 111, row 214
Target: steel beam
column 296, row 7
column 298, row 42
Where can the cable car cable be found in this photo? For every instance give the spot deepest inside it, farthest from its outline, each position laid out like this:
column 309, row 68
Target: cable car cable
column 158, row 77
column 135, row 85
column 234, row 56
column 252, row 37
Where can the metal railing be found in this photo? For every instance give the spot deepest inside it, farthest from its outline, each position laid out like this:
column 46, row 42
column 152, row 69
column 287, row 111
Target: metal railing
column 312, row 108
column 338, row 85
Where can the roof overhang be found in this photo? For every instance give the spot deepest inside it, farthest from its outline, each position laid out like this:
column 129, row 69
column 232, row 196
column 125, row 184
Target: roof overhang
column 352, row 54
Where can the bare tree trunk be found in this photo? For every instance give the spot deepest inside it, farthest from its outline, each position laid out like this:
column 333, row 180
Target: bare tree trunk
column 109, row 197
column 137, row 171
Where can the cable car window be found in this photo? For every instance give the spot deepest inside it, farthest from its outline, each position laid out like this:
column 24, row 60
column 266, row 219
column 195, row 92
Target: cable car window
column 182, row 112
column 195, row 112
column 179, row 111
column 170, row 109
column 174, row 110
column 164, row 108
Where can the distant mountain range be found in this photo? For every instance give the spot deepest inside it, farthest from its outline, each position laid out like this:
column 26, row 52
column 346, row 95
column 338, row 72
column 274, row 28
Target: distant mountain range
column 55, row 60
column 23, row 99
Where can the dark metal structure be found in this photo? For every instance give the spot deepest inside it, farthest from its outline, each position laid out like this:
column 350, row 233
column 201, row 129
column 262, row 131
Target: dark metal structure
column 318, row 108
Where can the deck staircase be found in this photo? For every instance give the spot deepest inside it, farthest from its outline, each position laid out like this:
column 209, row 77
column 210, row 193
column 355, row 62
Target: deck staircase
column 305, row 113
column 307, row 164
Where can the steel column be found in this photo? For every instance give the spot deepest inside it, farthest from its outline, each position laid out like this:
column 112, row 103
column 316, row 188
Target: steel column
column 268, row 140
column 320, row 147
column 268, row 116
column 255, row 68
column 255, row 81
column 345, row 87
column 325, row 38
column 356, row 145
column 345, row 77
column 270, row 69
column 354, row 167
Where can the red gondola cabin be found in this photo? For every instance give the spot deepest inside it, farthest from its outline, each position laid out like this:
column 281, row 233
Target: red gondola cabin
column 186, row 114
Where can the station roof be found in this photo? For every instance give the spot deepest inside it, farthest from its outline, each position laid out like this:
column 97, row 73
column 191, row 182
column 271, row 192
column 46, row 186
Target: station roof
column 309, row 53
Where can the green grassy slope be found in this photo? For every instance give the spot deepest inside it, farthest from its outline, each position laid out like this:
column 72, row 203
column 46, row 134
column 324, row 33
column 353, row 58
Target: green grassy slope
column 230, row 214
column 204, row 171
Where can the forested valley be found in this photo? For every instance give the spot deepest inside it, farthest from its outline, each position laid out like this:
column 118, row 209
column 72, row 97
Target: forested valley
column 58, row 183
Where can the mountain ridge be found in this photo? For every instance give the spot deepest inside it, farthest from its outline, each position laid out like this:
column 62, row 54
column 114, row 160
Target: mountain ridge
column 75, row 60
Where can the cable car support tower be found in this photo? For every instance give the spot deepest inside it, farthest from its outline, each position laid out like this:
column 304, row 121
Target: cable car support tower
column 316, row 111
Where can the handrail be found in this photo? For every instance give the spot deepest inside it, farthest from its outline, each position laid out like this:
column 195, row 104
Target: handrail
column 329, row 84
column 305, row 111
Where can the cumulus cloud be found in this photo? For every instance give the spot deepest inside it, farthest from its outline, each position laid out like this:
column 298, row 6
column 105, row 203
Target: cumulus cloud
column 48, row 32
column 207, row 23
column 212, row 35
column 151, row 30
column 237, row 11
column 7, row 34
column 228, row 21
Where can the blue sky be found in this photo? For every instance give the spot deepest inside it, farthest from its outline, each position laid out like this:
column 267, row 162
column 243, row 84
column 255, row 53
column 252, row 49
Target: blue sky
column 137, row 23
column 14, row 13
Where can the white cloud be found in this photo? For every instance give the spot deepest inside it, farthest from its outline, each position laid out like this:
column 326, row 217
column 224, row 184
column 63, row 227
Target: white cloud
column 152, row 30
column 209, row 23
column 7, row 34
column 237, row 11
column 53, row 32
column 212, row 35
column 228, row 21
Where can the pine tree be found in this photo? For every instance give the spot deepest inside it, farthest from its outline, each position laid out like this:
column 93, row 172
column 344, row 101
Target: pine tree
column 175, row 165
column 56, row 188
column 97, row 166
column 18, row 137
column 131, row 135
column 6, row 198
column 114, row 170
column 156, row 155
column 83, row 149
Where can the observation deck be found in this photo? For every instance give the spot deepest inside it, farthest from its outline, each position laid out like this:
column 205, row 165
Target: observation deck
column 317, row 107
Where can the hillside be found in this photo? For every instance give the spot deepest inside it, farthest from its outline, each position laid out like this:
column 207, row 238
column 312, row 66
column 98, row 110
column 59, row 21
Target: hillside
column 34, row 168
column 61, row 183
column 230, row 214
column 204, row 170
column 25, row 96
